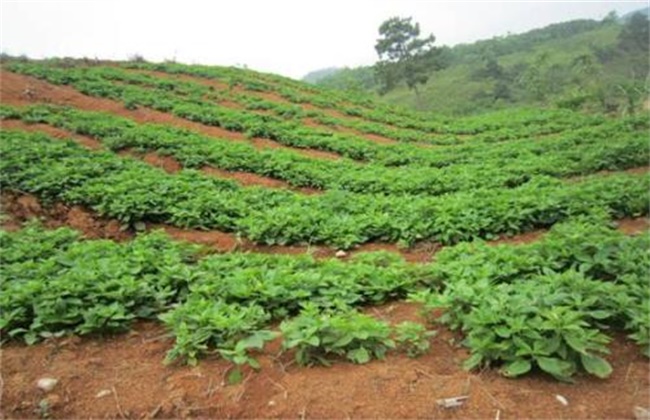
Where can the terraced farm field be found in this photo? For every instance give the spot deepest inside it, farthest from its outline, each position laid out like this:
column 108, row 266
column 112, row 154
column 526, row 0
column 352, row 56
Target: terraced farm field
column 216, row 242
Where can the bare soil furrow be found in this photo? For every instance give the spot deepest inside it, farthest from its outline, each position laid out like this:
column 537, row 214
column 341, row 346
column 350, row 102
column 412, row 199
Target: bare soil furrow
column 21, row 90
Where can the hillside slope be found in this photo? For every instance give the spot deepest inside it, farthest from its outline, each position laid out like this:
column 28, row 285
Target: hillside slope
column 318, row 214
column 580, row 64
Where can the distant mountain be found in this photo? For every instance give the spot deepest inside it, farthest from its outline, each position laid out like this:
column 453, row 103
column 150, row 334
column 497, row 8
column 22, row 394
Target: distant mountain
column 580, row 64
column 318, row 75
column 644, row 11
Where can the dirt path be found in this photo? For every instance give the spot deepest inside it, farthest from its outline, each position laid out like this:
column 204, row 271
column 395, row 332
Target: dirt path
column 21, row 90
column 22, row 207
column 55, row 132
column 123, row 376
column 632, row 171
column 310, row 122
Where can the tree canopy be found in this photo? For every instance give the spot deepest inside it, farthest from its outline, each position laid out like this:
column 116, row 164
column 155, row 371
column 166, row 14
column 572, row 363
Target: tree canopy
column 404, row 56
column 635, row 35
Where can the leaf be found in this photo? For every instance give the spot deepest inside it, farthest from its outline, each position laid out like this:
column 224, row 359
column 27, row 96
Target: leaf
column 235, row 376
column 473, row 361
column 576, row 343
column 359, row 355
column 344, row 341
column 517, row 368
column 256, row 340
column 596, row 365
column 502, row 331
column 30, row 338
column 560, row 369
column 599, row 314
column 252, row 362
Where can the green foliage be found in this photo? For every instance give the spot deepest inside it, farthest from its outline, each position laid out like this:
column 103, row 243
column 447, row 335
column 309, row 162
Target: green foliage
column 539, row 306
column 240, row 356
column 544, row 305
column 403, row 55
column 193, row 150
column 635, row 34
column 468, row 84
column 199, row 324
column 413, row 338
column 134, row 192
column 53, row 284
column 317, row 336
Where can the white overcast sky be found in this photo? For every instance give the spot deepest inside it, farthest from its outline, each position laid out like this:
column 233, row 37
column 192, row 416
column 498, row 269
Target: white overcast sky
column 288, row 37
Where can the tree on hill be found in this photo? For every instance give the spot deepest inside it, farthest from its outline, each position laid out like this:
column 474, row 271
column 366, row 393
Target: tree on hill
column 634, row 41
column 635, row 34
column 404, row 56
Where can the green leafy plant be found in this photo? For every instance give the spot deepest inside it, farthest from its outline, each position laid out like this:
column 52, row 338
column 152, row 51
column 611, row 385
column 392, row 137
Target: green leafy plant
column 200, row 325
column 240, row 356
column 544, row 305
column 413, row 338
column 317, row 336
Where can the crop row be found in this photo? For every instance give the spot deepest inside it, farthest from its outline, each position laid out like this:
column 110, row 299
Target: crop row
column 545, row 305
column 301, row 93
column 499, row 125
column 132, row 191
column 252, row 124
column 494, row 127
column 291, row 133
column 54, row 284
column 207, row 93
column 190, row 106
column 541, row 123
column 194, row 150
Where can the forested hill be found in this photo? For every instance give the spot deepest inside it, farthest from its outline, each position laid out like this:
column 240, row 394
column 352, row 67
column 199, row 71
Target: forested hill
column 582, row 64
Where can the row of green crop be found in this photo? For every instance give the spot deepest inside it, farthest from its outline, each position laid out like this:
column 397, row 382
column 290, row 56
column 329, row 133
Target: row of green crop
column 499, row 125
column 488, row 128
column 133, row 191
column 194, row 150
column 206, row 93
column 191, row 107
column 548, row 304
column 539, row 123
column 543, row 305
column 252, row 124
column 189, row 103
column 302, row 93
column 53, row 284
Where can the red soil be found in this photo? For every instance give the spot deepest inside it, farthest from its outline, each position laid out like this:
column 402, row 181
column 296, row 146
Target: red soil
column 22, row 207
column 58, row 133
column 247, row 178
column 21, row 90
column 167, row 163
column 340, row 129
column 522, row 238
column 123, row 376
column 640, row 170
column 634, row 226
column 634, row 171
column 230, row 104
column 277, row 98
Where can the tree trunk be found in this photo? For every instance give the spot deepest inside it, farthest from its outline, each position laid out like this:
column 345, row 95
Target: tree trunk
column 418, row 98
